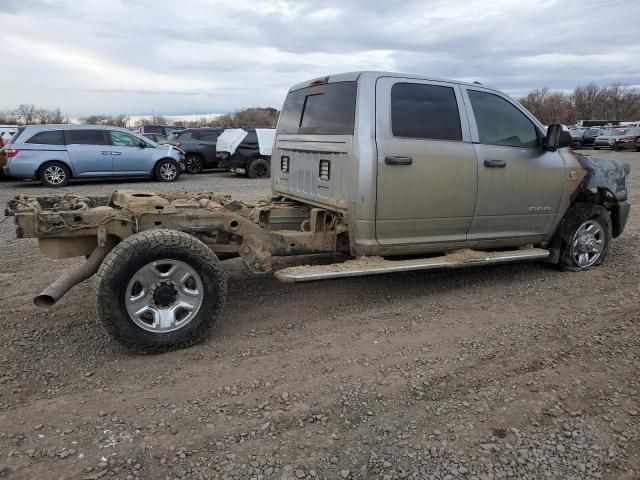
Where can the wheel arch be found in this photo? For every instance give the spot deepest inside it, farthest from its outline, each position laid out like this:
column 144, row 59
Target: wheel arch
column 66, row 163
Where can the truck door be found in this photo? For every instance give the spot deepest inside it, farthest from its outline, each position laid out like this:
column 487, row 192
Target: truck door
column 427, row 168
column 519, row 183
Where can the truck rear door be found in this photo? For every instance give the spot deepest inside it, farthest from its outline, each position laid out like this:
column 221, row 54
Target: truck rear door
column 427, row 167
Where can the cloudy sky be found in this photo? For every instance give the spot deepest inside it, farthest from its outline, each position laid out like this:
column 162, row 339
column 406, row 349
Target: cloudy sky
column 201, row 56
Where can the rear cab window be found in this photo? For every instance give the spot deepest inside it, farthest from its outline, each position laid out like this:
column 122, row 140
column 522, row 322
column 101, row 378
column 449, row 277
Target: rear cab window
column 325, row 109
column 51, row 137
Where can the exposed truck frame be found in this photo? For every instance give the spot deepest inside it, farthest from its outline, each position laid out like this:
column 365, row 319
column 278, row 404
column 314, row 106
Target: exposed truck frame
column 160, row 283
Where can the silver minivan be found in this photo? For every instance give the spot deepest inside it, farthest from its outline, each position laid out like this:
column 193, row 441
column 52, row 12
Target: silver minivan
column 55, row 154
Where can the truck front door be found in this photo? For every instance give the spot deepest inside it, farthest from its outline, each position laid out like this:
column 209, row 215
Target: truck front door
column 427, row 168
column 519, row 183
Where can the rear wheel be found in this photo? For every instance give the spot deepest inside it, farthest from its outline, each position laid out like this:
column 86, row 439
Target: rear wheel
column 55, row 174
column 585, row 237
column 194, row 164
column 167, row 170
column 160, row 289
column 259, row 168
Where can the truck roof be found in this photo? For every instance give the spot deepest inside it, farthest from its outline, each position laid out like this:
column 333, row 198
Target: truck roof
column 373, row 74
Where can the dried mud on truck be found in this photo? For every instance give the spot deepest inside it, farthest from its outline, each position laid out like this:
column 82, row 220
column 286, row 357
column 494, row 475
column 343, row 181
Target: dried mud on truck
column 396, row 172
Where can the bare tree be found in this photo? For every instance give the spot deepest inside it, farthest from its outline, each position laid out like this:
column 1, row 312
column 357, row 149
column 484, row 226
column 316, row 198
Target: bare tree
column 26, row 113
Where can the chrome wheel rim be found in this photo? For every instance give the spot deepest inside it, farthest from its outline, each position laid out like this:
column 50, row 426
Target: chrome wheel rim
column 168, row 171
column 164, row 296
column 587, row 243
column 54, row 175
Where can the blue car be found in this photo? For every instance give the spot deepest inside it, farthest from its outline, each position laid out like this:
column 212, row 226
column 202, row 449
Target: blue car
column 55, row 154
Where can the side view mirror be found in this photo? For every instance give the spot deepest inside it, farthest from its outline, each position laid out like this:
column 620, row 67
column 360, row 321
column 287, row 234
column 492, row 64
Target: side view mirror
column 557, row 138
column 142, row 144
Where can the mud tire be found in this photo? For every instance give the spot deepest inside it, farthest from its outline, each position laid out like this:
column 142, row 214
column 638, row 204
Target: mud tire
column 577, row 215
column 259, row 168
column 129, row 256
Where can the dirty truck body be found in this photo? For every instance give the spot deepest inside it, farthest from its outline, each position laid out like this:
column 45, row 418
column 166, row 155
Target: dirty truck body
column 372, row 165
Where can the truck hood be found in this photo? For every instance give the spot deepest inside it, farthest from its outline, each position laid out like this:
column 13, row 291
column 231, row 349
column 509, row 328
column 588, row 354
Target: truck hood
column 606, row 173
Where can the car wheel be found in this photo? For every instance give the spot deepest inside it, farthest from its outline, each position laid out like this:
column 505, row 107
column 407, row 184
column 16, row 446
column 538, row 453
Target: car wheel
column 193, row 164
column 167, row 170
column 55, row 174
column 160, row 289
column 585, row 237
column 259, row 168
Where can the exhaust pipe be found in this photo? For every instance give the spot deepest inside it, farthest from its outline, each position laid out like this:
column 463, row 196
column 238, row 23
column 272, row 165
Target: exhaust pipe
column 54, row 292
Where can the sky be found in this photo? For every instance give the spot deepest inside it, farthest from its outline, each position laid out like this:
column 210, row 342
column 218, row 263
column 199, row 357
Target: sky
column 169, row 57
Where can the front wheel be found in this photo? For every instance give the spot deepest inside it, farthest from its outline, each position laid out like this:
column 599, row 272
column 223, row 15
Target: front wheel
column 167, row 170
column 585, row 237
column 160, row 289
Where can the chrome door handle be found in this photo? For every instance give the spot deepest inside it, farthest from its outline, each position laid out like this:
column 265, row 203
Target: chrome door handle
column 116, row 153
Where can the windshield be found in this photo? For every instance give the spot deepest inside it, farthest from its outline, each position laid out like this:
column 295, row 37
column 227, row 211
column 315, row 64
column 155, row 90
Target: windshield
column 614, row 132
column 327, row 109
column 173, row 136
column 634, row 131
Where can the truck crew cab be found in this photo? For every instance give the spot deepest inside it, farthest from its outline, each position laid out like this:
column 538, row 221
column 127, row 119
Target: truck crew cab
column 374, row 165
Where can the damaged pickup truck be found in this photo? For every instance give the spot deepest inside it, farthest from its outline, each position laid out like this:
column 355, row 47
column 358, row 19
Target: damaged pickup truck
column 397, row 172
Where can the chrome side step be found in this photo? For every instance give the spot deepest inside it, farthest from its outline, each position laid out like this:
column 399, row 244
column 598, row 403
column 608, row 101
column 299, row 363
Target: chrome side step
column 377, row 265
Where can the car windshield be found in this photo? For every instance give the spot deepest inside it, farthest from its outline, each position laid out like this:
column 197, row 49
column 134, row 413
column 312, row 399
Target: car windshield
column 173, row 136
column 614, row 132
column 634, row 131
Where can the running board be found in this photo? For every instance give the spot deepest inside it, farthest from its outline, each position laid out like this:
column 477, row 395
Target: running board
column 377, row 265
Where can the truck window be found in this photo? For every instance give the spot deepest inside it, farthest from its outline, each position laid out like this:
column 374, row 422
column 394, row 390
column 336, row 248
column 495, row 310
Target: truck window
column 328, row 109
column 85, row 137
column 425, row 111
column 209, row 135
column 501, row 123
column 52, row 137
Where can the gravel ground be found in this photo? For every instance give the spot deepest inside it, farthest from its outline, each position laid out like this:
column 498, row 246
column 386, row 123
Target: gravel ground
column 514, row 371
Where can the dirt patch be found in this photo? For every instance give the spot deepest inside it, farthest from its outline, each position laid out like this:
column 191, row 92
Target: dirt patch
column 515, row 371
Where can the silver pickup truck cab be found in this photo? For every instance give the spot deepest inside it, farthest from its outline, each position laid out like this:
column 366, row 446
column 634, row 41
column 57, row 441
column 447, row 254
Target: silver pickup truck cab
column 395, row 172
column 418, row 164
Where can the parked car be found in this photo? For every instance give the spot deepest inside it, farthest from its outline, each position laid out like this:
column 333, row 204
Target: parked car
column 55, row 154
column 156, row 137
column 608, row 138
column 585, row 137
column 630, row 140
column 165, row 130
column 6, row 132
column 199, row 145
column 247, row 151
